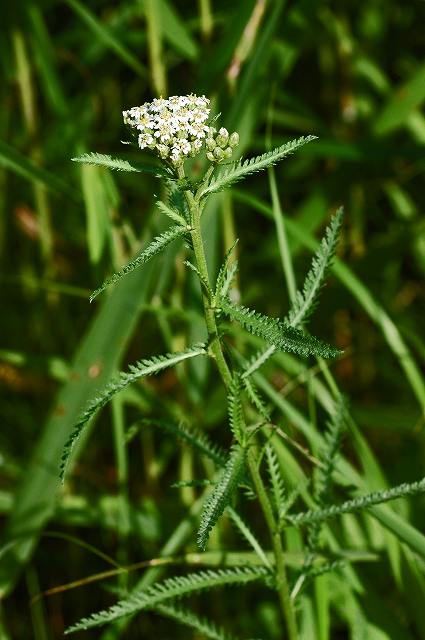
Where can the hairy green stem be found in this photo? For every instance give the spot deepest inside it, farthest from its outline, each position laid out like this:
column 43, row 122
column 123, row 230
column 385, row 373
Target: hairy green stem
column 201, row 263
column 217, row 353
column 282, row 580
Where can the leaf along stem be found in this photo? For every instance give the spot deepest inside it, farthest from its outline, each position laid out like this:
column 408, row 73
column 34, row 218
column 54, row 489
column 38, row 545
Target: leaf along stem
column 216, row 351
column 207, row 297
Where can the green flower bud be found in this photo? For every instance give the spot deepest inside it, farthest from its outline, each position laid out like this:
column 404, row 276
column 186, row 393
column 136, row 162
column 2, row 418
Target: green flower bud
column 218, row 154
column 222, row 138
column 228, row 152
column 210, row 156
column 234, row 139
column 211, row 144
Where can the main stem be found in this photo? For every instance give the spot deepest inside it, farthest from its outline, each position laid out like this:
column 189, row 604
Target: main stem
column 226, row 375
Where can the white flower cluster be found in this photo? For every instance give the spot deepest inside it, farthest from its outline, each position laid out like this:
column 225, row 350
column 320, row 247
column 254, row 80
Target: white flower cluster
column 175, row 127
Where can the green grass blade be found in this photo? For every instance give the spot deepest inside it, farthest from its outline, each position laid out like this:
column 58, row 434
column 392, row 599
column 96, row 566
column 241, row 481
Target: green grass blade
column 100, row 350
column 402, row 103
column 363, row 296
column 175, row 31
column 104, row 35
column 18, row 163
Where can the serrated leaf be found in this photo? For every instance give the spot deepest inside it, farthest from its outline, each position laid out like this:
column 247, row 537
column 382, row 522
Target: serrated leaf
column 185, row 616
column 233, row 173
column 170, row 588
column 156, row 246
column 222, row 274
column 191, row 436
column 141, row 369
column 119, row 164
column 280, row 334
column 171, row 213
column 221, row 495
column 236, row 417
column 306, row 300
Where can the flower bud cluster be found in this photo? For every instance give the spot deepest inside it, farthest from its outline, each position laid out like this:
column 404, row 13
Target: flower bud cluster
column 175, row 128
column 220, row 145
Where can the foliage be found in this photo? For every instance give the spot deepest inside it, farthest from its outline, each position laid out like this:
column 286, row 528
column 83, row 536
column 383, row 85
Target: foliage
column 340, row 478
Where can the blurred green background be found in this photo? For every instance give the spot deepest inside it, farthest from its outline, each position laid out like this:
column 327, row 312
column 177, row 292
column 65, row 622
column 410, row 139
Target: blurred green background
column 351, row 73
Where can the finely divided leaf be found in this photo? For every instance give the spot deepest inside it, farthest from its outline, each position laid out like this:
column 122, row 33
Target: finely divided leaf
column 170, row 588
column 280, row 334
column 276, row 479
column 236, row 417
column 120, row 164
column 156, row 246
column 233, row 173
column 361, row 503
column 191, row 436
column 185, row 616
column 306, row 300
column 222, row 274
column 171, row 212
column 141, row 369
column 221, row 495
column 333, row 437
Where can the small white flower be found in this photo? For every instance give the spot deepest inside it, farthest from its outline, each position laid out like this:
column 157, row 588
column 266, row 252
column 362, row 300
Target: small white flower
column 174, row 127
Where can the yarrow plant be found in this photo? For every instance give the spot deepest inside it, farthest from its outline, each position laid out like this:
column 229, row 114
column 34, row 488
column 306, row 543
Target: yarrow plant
column 176, row 129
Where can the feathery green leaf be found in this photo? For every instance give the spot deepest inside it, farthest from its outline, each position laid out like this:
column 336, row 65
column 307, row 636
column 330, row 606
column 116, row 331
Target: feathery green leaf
column 119, row 164
column 357, row 504
column 221, row 278
column 333, row 437
column 170, row 588
column 156, row 246
column 256, row 398
column 141, row 369
column 221, row 495
column 306, row 300
column 194, row 437
column 185, row 616
column 276, row 479
column 171, row 212
column 236, row 417
column 247, row 533
column 233, row 173
column 280, row 334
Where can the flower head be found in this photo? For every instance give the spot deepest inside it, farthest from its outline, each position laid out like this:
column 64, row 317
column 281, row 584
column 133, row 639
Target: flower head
column 175, row 127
